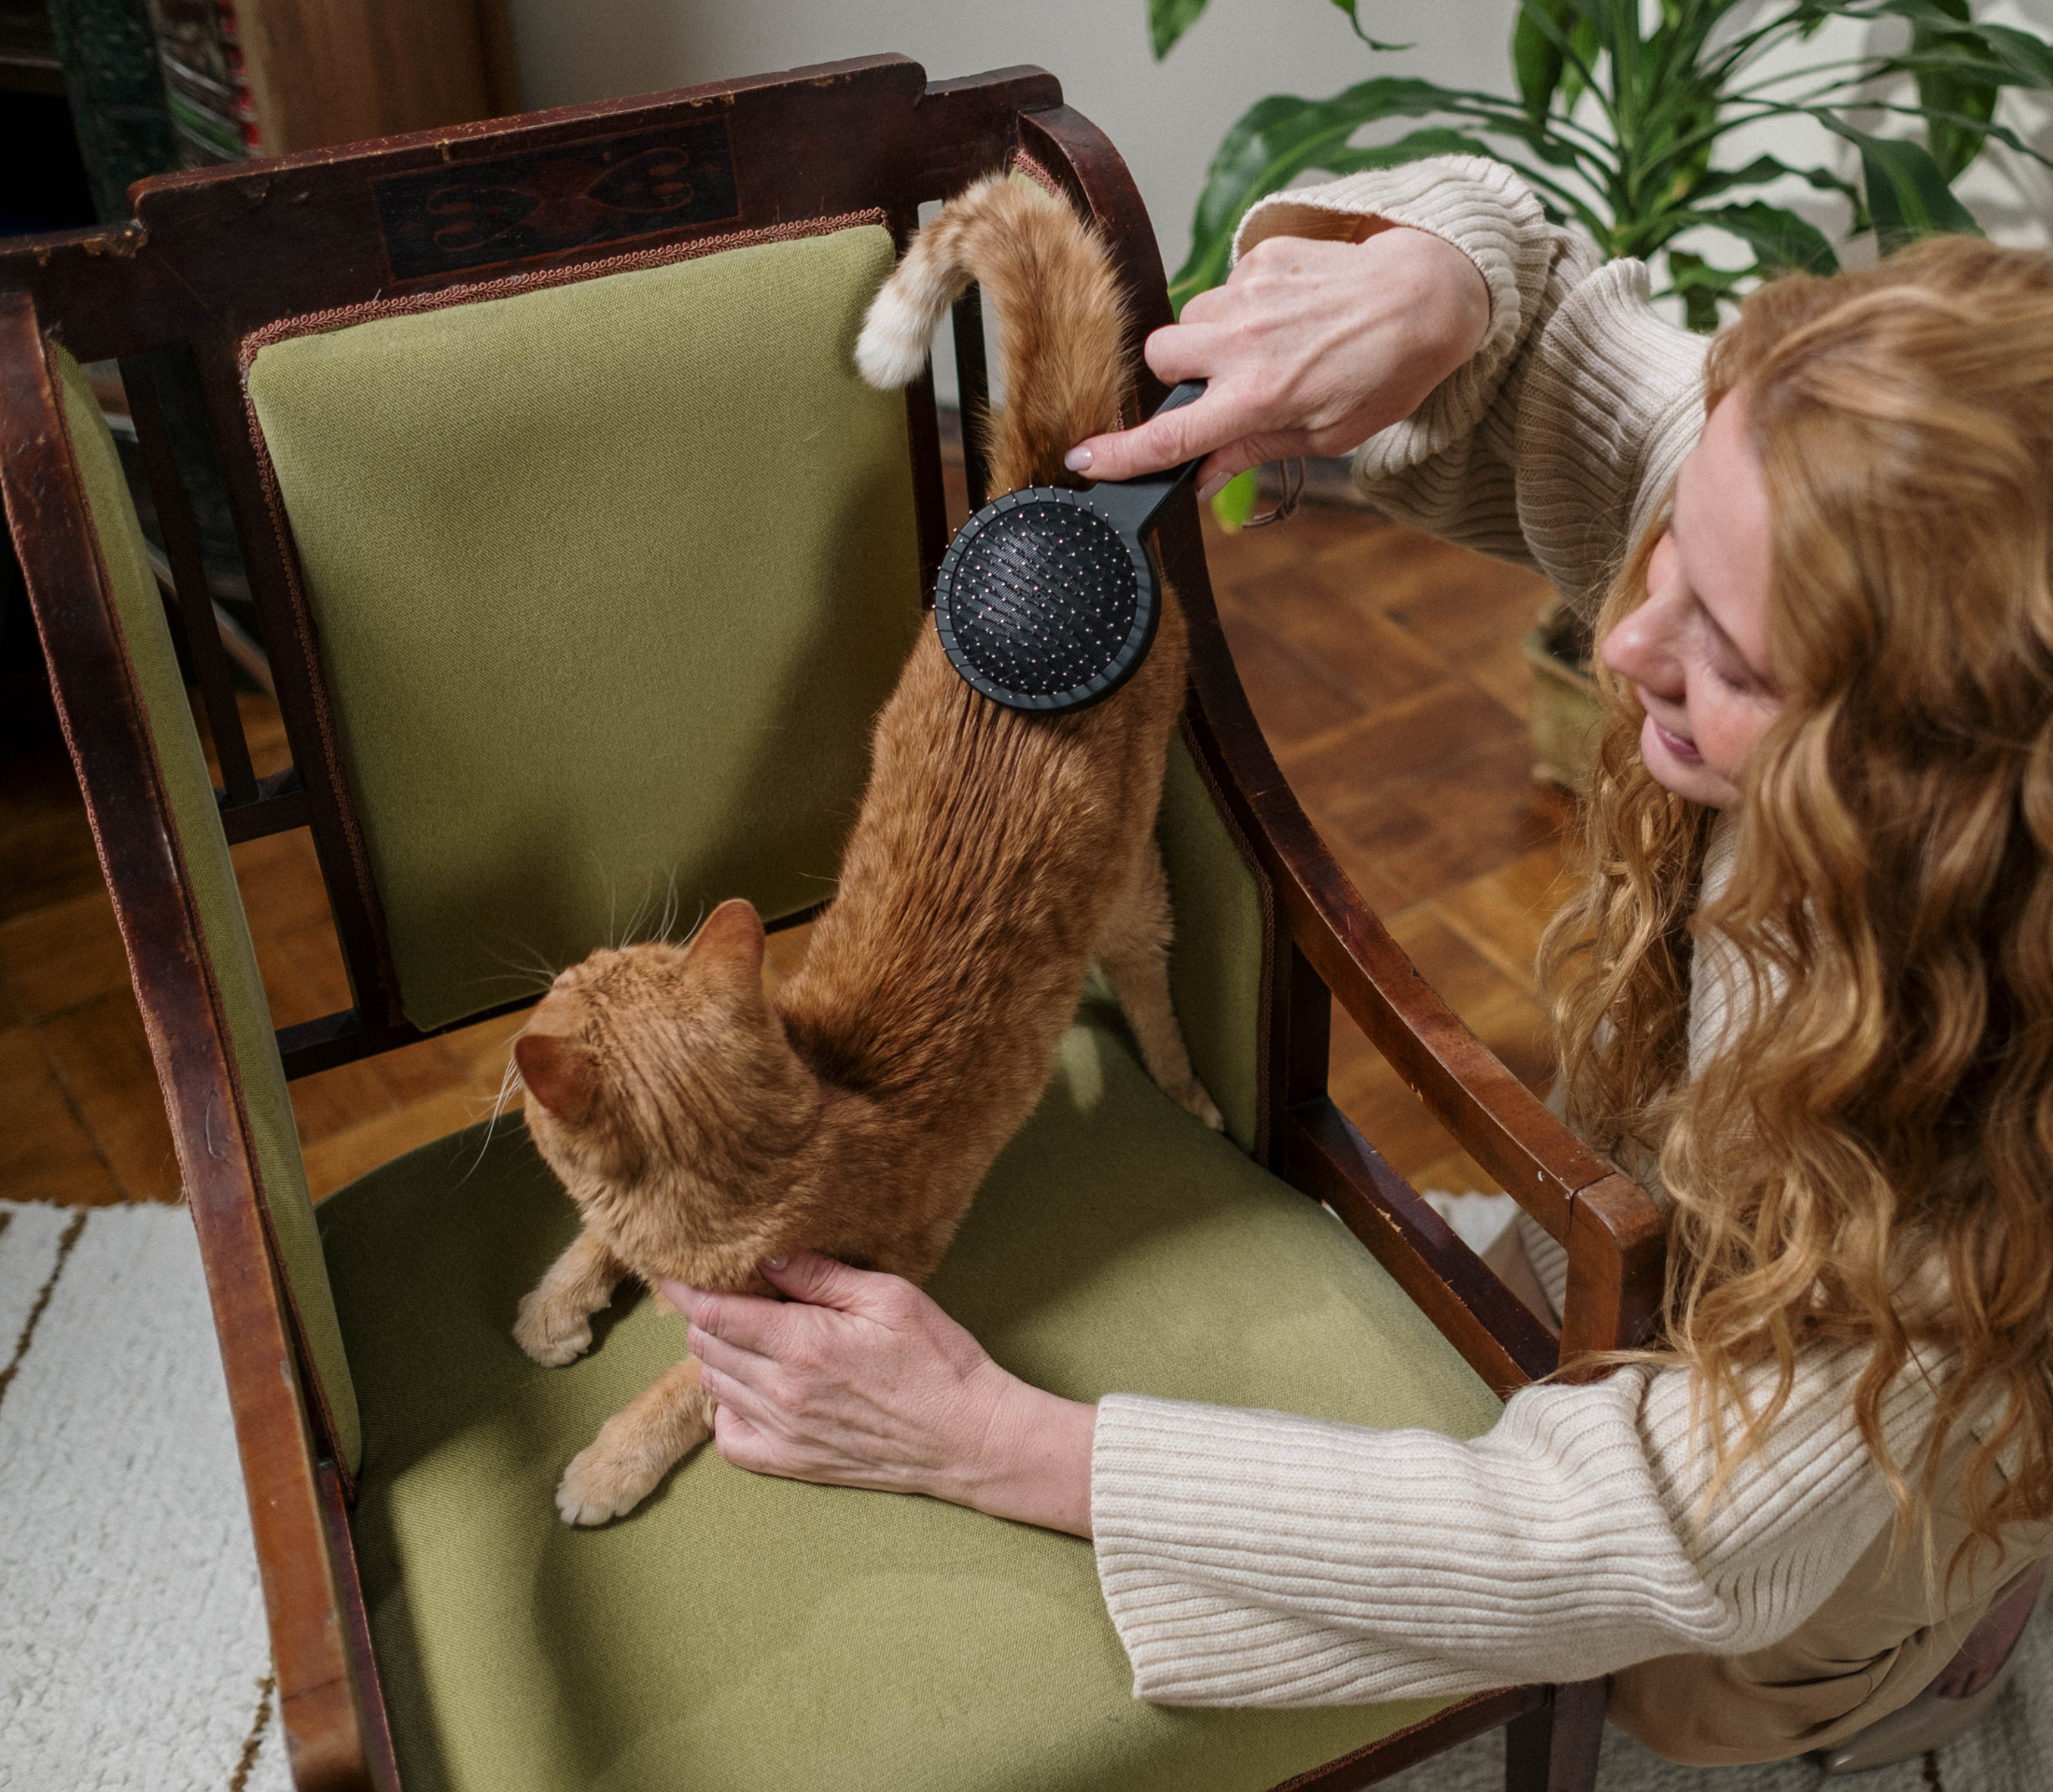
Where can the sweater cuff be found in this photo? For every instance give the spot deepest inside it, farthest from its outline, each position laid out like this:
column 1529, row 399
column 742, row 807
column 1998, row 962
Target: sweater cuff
column 1629, row 391
column 1190, row 1641
column 1486, row 212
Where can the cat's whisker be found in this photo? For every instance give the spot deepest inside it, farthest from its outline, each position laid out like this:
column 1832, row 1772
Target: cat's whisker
column 510, row 1084
column 533, row 981
column 634, row 920
column 535, row 972
column 612, row 902
column 669, row 918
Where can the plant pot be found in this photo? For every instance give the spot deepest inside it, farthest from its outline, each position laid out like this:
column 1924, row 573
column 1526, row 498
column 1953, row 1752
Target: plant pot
column 1565, row 709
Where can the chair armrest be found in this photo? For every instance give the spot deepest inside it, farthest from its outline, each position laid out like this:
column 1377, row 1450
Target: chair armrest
column 1611, row 1228
column 103, row 725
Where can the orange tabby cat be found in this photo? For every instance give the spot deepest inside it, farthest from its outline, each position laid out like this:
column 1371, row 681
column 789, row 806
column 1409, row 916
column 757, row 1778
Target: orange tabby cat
column 702, row 1127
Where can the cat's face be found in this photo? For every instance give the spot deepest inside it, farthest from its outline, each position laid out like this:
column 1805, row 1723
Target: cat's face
column 663, row 1070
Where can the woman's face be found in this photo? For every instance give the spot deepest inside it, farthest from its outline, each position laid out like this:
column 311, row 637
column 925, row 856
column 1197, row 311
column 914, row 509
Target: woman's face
column 1697, row 650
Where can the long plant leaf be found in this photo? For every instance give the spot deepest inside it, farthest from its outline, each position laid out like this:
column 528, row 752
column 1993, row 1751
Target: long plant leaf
column 1701, row 287
column 1780, row 240
column 2003, row 134
column 1169, row 19
column 1536, row 53
column 1347, row 7
column 1761, row 170
column 1278, row 137
column 2027, row 60
column 1907, row 196
column 1554, row 49
column 1290, row 138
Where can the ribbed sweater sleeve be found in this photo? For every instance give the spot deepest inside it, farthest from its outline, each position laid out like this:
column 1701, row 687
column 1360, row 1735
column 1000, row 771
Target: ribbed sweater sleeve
column 1254, row 1559
column 1556, row 441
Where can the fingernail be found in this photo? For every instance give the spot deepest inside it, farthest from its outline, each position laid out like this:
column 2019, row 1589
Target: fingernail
column 1077, row 460
column 775, row 1263
column 1212, row 488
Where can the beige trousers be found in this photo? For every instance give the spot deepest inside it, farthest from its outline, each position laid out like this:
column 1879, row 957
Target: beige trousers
column 1874, row 1645
column 1877, row 1642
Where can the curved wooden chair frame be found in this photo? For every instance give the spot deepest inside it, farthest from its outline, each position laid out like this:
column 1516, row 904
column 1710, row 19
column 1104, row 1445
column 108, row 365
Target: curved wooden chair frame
column 216, row 257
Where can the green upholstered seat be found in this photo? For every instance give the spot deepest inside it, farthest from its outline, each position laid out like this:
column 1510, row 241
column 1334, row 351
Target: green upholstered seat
column 738, row 1632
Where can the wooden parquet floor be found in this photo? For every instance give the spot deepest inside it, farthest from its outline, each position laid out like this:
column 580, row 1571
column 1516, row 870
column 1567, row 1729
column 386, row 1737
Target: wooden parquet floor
column 1384, row 667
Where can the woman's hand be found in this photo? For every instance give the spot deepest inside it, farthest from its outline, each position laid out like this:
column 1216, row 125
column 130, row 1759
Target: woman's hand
column 1310, row 348
column 859, row 1379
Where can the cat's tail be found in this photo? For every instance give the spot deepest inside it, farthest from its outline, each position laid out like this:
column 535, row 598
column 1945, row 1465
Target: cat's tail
column 1060, row 321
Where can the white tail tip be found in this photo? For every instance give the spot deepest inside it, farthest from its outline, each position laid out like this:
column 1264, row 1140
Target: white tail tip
column 892, row 351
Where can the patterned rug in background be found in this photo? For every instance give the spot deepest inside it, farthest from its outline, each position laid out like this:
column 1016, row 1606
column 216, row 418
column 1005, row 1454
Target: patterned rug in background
column 133, row 1656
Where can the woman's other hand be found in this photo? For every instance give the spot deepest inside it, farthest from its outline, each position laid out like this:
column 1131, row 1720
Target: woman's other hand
column 1310, row 348
column 859, row 1379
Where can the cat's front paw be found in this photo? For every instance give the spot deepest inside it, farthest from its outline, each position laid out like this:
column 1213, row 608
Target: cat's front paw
column 606, row 1481
column 549, row 1336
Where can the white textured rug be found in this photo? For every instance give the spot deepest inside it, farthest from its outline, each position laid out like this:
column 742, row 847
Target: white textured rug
column 133, row 1654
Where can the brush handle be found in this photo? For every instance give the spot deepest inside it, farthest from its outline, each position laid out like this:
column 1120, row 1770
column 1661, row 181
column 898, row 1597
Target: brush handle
column 1131, row 504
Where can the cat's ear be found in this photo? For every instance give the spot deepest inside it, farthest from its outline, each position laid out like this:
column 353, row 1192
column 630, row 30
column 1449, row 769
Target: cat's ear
column 731, row 937
column 558, row 1074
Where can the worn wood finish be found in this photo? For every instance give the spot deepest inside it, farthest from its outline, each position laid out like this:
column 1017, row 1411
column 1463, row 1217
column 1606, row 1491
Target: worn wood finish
column 377, row 1726
column 167, row 490
column 103, row 725
column 1491, row 1327
column 1557, row 1744
column 1420, row 1742
column 972, row 393
column 220, row 255
column 1617, row 1262
column 1305, row 1028
column 217, row 254
column 280, row 803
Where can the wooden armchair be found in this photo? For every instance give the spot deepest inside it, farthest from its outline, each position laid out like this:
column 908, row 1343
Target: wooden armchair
column 582, row 558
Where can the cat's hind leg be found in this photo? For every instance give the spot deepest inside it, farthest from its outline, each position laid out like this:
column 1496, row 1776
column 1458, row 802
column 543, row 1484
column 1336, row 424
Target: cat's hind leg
column 637, row 1447
column 554, row 1322
column 1133, row 951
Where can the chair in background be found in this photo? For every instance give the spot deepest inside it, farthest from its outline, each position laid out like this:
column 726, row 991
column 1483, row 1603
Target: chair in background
column 582, row 561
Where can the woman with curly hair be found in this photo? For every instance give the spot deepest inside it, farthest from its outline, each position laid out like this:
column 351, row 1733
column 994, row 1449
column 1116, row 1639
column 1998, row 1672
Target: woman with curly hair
column 1804, row 993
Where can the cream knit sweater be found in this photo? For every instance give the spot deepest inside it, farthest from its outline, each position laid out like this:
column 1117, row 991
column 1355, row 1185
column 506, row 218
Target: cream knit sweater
column 1254, row 1559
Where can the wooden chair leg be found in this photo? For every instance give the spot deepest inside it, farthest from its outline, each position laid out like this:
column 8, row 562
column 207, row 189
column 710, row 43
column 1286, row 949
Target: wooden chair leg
column 1554, row 1748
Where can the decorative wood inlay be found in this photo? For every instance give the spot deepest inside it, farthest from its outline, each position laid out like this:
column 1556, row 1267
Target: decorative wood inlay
column 545, row 202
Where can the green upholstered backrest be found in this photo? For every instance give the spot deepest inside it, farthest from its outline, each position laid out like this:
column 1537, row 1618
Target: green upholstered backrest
column 1222, row 939
column 211, row 880
column 609, row 580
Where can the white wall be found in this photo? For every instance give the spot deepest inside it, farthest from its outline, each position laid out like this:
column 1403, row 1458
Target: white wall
column 1167, row 118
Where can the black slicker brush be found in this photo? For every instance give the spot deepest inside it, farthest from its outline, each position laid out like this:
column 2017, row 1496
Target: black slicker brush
column 1048, row 598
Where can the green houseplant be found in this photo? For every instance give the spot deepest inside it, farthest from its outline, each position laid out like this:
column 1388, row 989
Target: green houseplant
column 1617, row 123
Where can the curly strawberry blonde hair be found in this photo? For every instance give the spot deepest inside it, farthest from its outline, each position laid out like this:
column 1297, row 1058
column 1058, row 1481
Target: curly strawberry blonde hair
column 1883, row 1111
